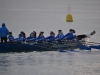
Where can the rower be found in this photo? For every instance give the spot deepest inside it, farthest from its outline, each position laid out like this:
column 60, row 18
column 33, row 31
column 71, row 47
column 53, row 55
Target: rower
column 31, row 37
column 10, row 37
column 3, row 33
column 51, row 37
column 34, row 32
column 71, row 35
column 74, row 35
column 85, row 37
column 19, row 39
column 23, row 33
column 40, row 38
column 60, row 35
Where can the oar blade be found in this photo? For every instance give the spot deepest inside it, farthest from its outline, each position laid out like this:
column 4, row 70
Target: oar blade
column 95, row 47
column 84, row 48
column 92, row 33
column 62, row 50
column 74, row 51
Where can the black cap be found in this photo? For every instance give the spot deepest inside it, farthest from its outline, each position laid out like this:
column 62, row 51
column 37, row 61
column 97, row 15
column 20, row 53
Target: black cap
column 74, row 31
column 51, row 32
column 3, row 24
column 59, row 30
column 10, row 32
column 41, row 32
column 70, row 29
column 20, row 34
column 34, row 32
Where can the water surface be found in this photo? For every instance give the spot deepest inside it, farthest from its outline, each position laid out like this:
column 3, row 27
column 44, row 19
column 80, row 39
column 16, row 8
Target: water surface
column 47, row 15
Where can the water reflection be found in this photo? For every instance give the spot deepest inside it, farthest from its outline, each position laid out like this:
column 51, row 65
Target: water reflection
column 4, row 64
column 87, row 62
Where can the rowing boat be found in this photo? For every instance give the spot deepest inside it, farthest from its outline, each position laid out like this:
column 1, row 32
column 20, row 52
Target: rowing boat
column 45, row 46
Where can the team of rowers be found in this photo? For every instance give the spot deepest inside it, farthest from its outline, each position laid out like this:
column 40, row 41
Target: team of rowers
column 32, row 38
column 6, row 35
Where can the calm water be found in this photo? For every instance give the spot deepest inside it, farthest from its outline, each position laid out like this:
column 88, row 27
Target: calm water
column 51, row 63
column 47, row 15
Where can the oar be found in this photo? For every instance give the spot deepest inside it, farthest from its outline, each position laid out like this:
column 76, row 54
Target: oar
column 40, row 45
column 95, row 47
column 85, row 48
column 74, row 51
column 49, row 45
column 93, row 43
column 63, row 50
column 43, row 46
column 68, row 50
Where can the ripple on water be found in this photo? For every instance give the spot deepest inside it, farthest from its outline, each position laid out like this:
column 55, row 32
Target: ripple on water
column 54, row 62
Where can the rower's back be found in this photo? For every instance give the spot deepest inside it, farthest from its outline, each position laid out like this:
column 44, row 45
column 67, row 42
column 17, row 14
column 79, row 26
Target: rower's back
column 3, row 33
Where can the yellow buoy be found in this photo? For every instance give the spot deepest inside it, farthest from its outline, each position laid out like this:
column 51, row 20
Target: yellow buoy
column 69, row 18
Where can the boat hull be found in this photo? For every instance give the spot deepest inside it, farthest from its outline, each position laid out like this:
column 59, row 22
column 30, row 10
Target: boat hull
column 19, row 47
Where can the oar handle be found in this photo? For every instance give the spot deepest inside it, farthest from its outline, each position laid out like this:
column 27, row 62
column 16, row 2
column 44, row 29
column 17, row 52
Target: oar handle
column 93, row 43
